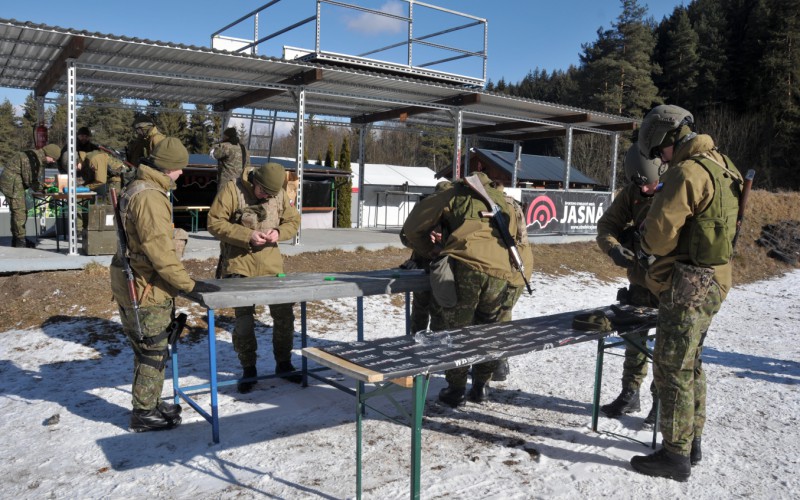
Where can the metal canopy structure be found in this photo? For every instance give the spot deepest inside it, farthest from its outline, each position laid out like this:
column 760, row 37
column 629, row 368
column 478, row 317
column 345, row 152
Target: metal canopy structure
column 47, row 59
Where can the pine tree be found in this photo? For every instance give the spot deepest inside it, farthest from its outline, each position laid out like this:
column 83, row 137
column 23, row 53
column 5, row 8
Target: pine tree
column 710, row 23
column 680, row 71
column 199, row 133
column 8, row 128
column 109, row 122
column 171, row 123
column 329, row 162
column 344, row 188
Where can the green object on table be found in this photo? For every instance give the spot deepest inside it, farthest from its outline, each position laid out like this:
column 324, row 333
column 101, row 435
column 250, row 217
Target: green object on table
column 330, row 278
column 280, row 275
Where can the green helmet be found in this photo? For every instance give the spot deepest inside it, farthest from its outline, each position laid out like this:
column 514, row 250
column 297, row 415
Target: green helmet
column 663, row 126
column 270, row 177
column 640, row 170
column 170, row 154
column 52, row 151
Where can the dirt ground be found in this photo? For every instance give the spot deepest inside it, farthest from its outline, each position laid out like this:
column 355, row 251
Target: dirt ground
column 35, row 299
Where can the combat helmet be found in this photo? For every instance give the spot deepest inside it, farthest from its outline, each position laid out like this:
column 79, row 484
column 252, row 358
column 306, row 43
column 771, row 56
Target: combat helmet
column 270, row 177
column 665, row 125
column 640, row 170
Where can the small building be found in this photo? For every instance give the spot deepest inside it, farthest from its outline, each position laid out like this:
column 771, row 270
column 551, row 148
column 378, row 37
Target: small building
column 535, row 172
column 390, row 193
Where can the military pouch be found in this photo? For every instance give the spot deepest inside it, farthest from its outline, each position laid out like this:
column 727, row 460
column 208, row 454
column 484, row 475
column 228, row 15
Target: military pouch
column 443, row 283
column 595, row 321
column 690, row 284
column 180, row 237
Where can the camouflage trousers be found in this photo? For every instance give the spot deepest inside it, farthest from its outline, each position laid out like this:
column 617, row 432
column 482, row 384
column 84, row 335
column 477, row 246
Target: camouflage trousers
column 244, row 336
column 634, row 368
column 420, row 310
column 678, row 369
column 482, row 299
column 149, row 354
column 12, row 187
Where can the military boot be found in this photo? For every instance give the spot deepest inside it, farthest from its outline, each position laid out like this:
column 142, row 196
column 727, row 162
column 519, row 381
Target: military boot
column 626, row 402
column 453, row 396
column 22, row 243
column 502, row 371
column 244, row 386
column 479, row 392
column 151, row 420
column 287, row 367
column 697, row 453
column 169, row 410
column 663, row 463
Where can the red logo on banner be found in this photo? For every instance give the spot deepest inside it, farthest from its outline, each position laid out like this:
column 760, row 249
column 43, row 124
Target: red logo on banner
column 541, row 211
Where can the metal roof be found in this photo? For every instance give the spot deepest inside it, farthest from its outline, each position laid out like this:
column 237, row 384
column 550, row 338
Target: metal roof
column 309, row 169
column 33, row 57
column 534, row 168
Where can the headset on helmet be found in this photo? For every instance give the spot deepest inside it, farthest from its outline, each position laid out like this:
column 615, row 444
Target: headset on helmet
column 663, row 126
column 640, row 170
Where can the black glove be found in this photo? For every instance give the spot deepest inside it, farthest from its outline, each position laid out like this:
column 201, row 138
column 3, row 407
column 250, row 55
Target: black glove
column 645, row 259
column 409, row 264
column 622, row 256
column 203, row 287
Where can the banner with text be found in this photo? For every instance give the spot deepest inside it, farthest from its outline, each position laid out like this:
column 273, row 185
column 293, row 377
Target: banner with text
column 563, row 212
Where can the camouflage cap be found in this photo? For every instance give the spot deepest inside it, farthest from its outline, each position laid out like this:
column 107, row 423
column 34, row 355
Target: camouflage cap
column 270, row 177
column 52, row 151
column 170, row 154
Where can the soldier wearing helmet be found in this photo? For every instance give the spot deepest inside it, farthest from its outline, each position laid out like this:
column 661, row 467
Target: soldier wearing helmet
column 23, row 171
column 147, row 137
column 249, row 216
column 159, row 276
column 687, row 244
column 618, row 237
column 231, row 156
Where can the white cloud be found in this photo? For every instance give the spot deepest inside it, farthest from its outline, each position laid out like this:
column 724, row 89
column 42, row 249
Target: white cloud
column 373, row 24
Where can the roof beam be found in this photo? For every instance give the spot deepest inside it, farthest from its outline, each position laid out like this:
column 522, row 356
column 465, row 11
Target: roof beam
column 72, row 50
column 484, row 129
column 614, row 127
column 404, row 113
column 302, row 78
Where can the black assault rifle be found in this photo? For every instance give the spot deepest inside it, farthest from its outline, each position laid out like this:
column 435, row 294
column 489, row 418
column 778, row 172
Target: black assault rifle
column 122, row 251
column 748, row 183
column 496, row 215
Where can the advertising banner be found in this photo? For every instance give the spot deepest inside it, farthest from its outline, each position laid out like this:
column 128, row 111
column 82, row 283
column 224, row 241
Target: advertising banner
column 563, row 212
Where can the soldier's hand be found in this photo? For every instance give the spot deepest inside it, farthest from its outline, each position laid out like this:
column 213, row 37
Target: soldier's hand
column 645, row 259
column 622, row 256
column 203, row 287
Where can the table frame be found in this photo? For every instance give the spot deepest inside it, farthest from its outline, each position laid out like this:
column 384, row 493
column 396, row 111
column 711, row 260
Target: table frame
column 58, row 201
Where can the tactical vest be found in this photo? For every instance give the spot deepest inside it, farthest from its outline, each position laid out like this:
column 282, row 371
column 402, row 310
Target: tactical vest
column 466, row 205
column 36, row 167
column 259, row 215
column 707, row 237
column 179, row 236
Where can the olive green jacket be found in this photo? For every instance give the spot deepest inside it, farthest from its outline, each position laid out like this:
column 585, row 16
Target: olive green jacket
column 625, row 214
column 142, row 147
column 467, row 236
column 239, row 257
column 149, row 229
column 687, row 190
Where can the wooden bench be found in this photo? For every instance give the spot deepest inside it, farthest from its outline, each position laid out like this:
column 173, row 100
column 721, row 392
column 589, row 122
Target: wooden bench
column 194, row 212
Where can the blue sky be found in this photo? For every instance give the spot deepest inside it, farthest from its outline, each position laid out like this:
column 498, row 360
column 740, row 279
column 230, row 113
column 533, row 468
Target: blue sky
column 522, row 34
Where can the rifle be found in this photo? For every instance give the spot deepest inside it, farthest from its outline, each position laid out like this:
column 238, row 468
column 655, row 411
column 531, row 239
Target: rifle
column 748, row 183
column 116, row 155
column 496, row 215
column 122, row 250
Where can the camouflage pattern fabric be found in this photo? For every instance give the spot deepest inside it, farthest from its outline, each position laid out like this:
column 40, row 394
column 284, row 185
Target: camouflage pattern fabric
column 482, row 299
column 12, row 188
column 678, row 369
column 148, row 382
column 230, row 163
column 244, row 336
column 634, row 368
column 420, row 310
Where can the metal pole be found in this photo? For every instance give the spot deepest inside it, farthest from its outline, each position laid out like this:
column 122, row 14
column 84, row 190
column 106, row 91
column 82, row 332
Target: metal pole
column 458, row 115
column 467, row 151
column 410, row 31
column 300, row 95
column 614, row 156
column 568, row 159
column 361, row 168
column 72, row 199
column 517, row 163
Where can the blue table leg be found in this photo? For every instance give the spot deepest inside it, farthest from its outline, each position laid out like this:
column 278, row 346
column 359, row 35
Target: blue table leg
column 598, row 380
column 212, row 368
column 175, row 382
column 420, row 389
column 359, row 417
column 304, row 342
column 408, row 314
column 360, row 337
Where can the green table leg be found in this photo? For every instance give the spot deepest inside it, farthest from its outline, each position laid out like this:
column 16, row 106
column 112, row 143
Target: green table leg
column 419, row 391
column 598, row 380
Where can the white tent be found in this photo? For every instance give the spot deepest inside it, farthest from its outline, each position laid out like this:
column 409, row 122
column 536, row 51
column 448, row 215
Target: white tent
column 390, row 192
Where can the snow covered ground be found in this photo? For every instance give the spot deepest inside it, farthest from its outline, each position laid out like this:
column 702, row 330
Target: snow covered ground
column 65, row 400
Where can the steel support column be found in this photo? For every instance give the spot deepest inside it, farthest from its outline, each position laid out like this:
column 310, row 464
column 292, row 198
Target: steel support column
column 568, row 158
column 300, row 96
column 517, row 163
column 362, row 131
column 458, row 116
column 72, row 200
column 614, row 156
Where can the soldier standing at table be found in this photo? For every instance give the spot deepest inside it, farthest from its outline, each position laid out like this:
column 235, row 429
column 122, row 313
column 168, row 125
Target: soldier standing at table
column 687, row 243
column 249, row 216
column 231, row 157
column 618, row 236
column 25, row 170
column 83, row 144
column 147, row 138
column 484, row 283
column 102, row 172
column 159, row 276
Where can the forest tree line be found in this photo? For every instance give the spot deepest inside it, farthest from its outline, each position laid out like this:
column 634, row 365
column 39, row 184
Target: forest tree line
column 734, row 64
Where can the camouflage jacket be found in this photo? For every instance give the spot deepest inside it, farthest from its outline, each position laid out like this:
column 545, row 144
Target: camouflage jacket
column 32, row 173
column 230, row 162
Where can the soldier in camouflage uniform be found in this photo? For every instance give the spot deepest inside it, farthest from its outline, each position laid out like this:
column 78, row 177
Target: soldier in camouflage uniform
column 147, row 138
column 231, row 158
column 249, row 216
column 687, row 243
column 618, row 237
column 159, row 276
column 102, row 172
column 83, row 144
column 486, row 283
column 25, row 170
